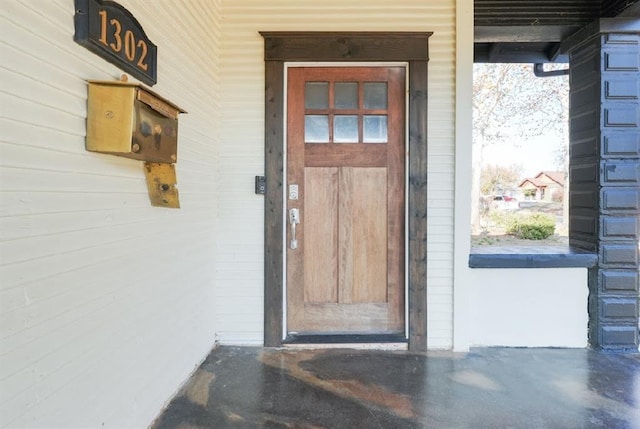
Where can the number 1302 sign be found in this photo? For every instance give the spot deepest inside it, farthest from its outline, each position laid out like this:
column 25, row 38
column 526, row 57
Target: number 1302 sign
column 110, row 31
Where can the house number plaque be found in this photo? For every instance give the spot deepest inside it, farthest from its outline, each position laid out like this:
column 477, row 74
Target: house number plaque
column 109, row 30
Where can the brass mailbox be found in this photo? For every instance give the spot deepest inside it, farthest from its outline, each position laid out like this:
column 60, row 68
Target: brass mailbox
column 128, row 120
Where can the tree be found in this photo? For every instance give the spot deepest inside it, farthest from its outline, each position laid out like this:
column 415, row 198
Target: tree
column 497, row 177
column 511, row 104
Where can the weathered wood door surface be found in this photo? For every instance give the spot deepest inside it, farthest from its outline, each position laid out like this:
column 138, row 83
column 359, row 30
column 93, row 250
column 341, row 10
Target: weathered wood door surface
column 346, row 180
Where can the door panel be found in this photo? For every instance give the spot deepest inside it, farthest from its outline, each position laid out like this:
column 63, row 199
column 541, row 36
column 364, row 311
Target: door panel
column 363, row 234
column 321, row 238
column 345, row 151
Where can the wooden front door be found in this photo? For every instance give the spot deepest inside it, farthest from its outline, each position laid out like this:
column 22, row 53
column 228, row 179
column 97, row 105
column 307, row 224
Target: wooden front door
column 345, row 195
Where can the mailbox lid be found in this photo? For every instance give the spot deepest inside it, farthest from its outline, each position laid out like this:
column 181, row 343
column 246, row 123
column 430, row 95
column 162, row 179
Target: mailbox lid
column 141, row 88
column 158, row 104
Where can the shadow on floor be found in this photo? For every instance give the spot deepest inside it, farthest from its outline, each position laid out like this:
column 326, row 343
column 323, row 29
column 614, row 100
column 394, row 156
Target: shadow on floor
column 239, row 387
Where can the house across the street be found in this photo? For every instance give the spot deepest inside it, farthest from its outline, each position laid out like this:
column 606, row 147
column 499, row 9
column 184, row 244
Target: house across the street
column 544, row 186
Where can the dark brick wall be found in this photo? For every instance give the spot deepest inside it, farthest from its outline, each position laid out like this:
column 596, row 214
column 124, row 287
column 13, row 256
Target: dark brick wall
column 605, row 181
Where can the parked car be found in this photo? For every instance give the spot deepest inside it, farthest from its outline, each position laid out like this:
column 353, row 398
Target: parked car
column 504, row 202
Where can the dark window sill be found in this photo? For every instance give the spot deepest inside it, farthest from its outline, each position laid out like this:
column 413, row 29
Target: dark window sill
column 531, row 257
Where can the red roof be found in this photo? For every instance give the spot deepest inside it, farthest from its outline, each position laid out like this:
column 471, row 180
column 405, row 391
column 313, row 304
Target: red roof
column 534, row 182
column 556, row 176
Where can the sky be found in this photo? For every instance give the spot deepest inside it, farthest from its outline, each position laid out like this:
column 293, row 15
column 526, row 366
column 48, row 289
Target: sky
column 533, row 155
column 504, row 87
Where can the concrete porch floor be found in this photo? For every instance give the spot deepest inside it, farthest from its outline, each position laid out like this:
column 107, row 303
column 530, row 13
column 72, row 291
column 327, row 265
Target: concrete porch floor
column 240, row 387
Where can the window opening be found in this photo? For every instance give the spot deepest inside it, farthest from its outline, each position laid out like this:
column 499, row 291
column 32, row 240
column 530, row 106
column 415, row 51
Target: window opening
column 520, row 156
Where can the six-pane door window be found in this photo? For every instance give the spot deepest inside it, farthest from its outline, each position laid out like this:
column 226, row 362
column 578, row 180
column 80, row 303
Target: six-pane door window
column 345, row 112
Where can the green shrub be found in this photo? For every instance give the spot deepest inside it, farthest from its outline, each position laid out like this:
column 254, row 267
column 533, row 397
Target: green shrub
column 530, row 226
column 504, row 219
column 535, row 226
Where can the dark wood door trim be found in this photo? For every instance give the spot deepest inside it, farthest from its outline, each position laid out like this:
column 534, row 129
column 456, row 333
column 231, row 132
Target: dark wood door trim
column 281, row 47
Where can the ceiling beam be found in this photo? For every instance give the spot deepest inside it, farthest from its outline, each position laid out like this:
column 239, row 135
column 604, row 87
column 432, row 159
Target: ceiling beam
column 530, row 33
column 515, row 53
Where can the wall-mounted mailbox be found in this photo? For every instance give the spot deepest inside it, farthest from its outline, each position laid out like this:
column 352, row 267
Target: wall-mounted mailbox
column 129, row 120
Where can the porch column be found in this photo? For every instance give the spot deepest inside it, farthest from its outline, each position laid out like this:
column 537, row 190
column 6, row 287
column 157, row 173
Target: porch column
column 605, row 173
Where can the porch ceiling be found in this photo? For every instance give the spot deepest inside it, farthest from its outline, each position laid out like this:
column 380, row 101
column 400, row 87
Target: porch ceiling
column 527, row 31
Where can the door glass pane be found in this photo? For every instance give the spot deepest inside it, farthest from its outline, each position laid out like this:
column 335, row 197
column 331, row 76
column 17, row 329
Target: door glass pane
column 316, row 95
column 316, row 128
column 375, row 129
column 345, row 95
column 375, row 95
column 345, row 129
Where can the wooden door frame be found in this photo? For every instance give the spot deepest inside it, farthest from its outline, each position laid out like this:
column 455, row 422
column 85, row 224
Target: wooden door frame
column 409, row 47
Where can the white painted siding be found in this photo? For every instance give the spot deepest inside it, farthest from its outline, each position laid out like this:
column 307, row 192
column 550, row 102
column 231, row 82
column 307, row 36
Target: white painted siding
column 239, row 296
column 106, row 304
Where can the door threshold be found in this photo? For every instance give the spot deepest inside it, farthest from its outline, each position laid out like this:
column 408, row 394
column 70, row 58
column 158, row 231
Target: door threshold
column 342, row 339
column 352, row 346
